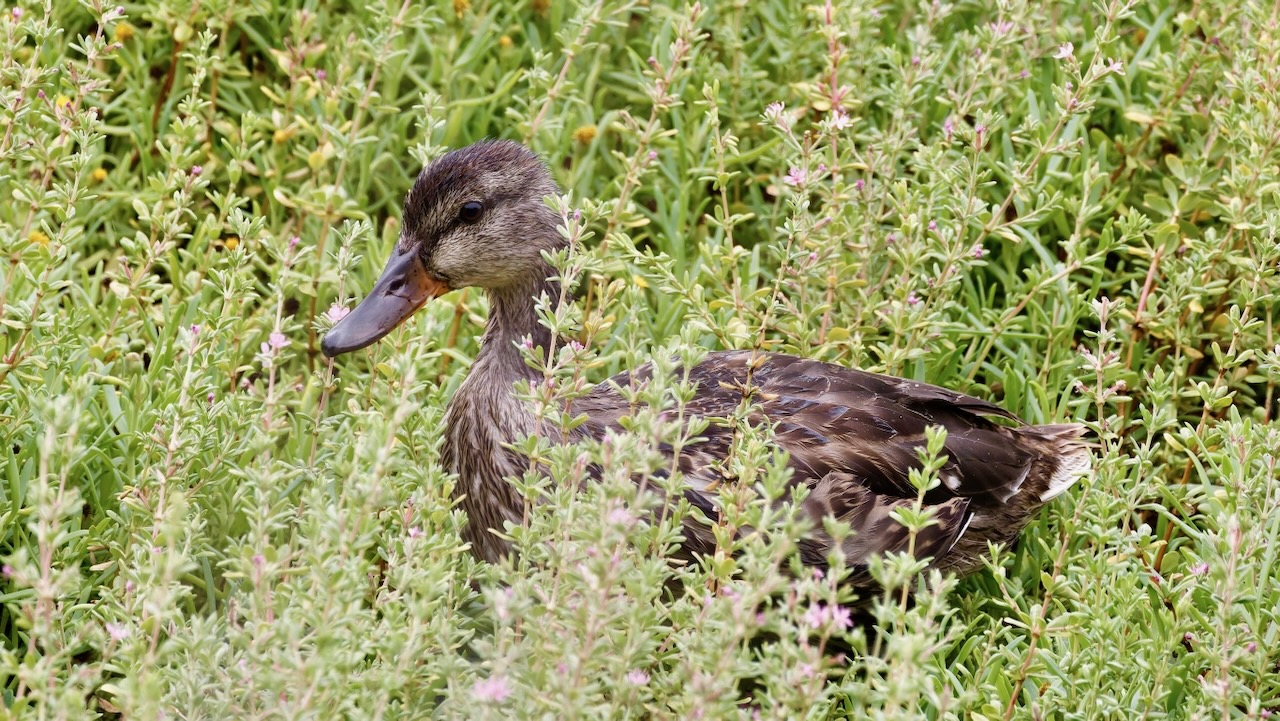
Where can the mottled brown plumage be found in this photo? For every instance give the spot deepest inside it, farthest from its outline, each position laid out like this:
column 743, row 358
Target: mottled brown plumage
column 852, row 437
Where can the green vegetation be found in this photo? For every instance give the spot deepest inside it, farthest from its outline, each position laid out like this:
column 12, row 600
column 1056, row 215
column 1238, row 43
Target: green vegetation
column 1067, row 207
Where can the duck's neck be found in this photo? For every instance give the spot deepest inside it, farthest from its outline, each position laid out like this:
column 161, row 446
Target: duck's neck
column 485, row 415
column 513, row 316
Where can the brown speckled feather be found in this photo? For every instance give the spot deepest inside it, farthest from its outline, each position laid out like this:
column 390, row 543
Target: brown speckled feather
column 853, row 438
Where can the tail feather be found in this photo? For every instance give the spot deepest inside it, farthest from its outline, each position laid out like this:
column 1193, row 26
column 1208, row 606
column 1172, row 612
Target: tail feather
column 1068, row 451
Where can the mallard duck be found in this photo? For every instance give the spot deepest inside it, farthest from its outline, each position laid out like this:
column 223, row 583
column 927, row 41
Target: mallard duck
column 475, row 217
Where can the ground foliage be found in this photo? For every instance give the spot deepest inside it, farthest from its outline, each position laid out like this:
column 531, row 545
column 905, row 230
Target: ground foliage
column 1066, row 207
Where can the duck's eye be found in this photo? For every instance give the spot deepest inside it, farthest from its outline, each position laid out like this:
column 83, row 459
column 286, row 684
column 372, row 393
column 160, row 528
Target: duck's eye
column 471, row 211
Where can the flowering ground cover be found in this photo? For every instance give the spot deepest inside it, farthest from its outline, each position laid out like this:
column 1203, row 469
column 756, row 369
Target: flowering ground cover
column 1068, row 208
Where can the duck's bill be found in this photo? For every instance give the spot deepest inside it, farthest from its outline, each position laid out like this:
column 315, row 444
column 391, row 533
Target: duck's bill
column 405, row 286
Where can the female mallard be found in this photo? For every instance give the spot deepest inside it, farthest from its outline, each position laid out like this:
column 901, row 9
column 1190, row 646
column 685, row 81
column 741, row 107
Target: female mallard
column 475, row 217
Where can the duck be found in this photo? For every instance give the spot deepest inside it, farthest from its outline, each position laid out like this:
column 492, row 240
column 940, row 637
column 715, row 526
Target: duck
column 476, row 218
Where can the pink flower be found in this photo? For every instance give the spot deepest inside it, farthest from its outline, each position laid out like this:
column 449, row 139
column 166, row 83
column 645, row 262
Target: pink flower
column 621, row 517
column 494, row 689
column 17, row 13
column 1115, row 66
column 636, row 677
column 1199, row 569
column 933, row 225
column 321, row 75
column 337, row 312
column 912, row 298
column 859, row 184
column 773, row 111
column 1066, row 51
column 796, row 177
column 196, row 170
column 820, row 614
column 277, row 340
column 948, row 127
column 815, row 616
column 979, row 251
column 840, row 119
column 117, row 631
column 841, row 617
column 1002, row 28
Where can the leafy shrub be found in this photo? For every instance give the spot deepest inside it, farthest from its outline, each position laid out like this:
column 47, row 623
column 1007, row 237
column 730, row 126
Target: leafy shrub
column 1069, row 208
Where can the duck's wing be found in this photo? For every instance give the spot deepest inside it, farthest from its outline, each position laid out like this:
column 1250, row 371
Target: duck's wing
column 853, row 439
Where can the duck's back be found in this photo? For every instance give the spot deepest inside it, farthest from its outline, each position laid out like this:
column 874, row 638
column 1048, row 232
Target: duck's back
column 853, row 439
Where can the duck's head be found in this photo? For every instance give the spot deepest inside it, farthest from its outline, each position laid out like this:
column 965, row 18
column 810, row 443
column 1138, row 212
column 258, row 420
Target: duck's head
column 474, row 218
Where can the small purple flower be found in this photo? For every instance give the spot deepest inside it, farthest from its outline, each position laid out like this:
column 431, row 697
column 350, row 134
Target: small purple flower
column 840, row 617
column 912, row 298
column 117, row 631
column 6, row 570
column 415, row 532
column 979, row 251
column 1115, row 66
column 1066, row 51
column 915, row 61
column 1002, row 27
column 933, row 225
column 796, row 177
column 277, row 340
column 773, row 111
column 321, row 75
column 210, row 399
column 1250, row 647
column 17, row 13
column 815, row 616
column 813, row 256
column 293, row 242
column 1024, row 74
column 337, row 312
column 575, row 346
column 653, row 155
column 494, row 689
column 1200, row 569
column 859, row 184
column 890, row 239
column 577, row 216
column 196, row 170
column 527, row 343
column 840, row 119
column 621, row 517
column 948, row 127
column 195, row 329
column 636, row 677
